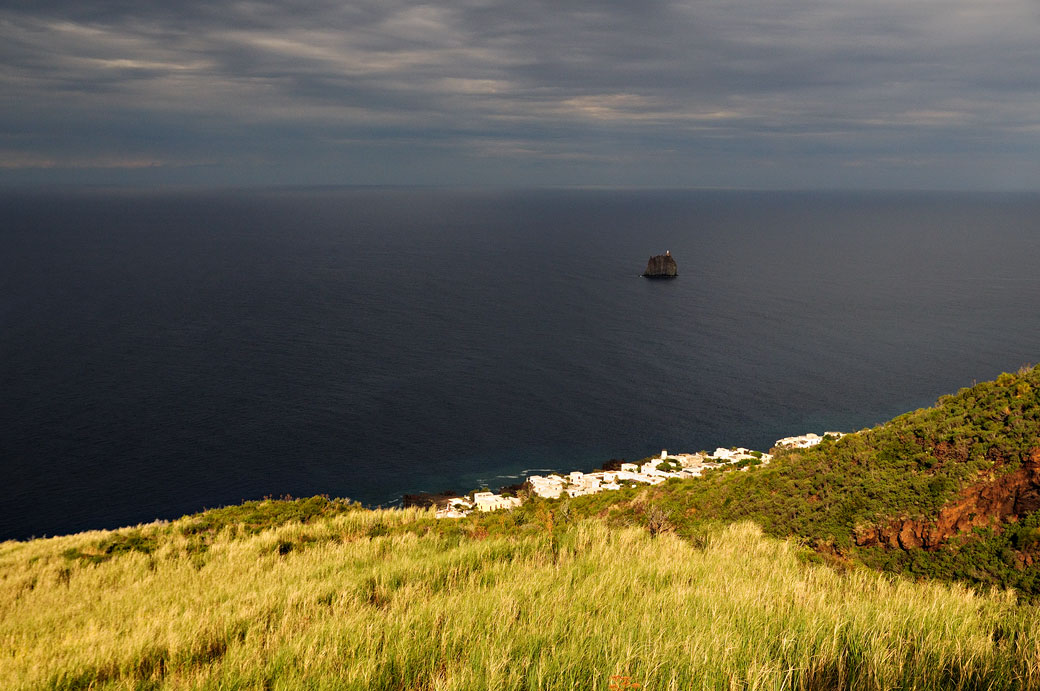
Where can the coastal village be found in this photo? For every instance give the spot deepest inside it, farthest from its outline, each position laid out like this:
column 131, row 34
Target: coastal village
column 651, row 471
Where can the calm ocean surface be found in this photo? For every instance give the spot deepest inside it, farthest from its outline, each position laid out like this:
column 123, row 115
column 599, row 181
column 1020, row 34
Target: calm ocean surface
column 162, row 353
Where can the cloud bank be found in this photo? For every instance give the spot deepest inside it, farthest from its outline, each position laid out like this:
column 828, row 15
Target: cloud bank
column 790, row 93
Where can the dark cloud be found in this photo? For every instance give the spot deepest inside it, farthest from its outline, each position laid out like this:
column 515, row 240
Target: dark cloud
column 701, row 92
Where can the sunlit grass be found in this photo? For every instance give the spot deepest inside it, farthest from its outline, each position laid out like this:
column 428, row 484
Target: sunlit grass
column 329, row 605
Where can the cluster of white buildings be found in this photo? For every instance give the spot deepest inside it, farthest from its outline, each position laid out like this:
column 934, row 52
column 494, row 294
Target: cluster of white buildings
column 652, row 472
column 458, row 507
column 576, row 484
column 805, row 441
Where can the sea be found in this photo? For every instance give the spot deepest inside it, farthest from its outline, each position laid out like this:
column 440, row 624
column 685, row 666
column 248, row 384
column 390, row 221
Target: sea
column 167, row 351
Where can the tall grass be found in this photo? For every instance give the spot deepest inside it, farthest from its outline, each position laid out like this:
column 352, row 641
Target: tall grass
column 336, row 604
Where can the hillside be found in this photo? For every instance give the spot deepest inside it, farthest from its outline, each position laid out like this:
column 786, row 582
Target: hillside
column 345, row 598
column 950, row 491
column 752, row 579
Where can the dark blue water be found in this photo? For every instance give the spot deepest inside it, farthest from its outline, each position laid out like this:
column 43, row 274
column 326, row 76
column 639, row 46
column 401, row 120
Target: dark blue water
column 165, row 352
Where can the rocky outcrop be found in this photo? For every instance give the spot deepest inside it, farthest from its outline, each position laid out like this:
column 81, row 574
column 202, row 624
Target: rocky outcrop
column 992, row 501
column 661, row 266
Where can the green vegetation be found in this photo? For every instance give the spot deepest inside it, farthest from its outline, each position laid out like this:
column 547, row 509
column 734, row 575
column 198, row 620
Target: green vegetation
column 908, row 468
column 249, row 518
column 669, row 466
column 558, row 603
column 751, row 578
column 984, row 556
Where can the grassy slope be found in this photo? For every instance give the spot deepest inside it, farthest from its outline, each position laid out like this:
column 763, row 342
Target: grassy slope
column 908, row 467
column 390, row 600
column 323, row 594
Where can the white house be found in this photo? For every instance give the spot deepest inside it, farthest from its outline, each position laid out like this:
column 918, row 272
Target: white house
column 548, row 487
column 456, row 507
column 489, row 501
column 689, row 460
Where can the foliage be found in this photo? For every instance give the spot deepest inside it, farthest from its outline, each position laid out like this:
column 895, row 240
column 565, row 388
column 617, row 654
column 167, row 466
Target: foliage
column 253, row 517
column 249, row 518
column 1005, row 558
column 671, row 586
column 114, row 544
column 909, row 467
column 563, row 602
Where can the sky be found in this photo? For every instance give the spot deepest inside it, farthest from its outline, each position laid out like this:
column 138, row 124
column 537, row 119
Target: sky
column 917, row 94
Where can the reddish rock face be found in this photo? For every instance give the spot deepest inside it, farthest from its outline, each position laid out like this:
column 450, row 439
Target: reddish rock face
column 990, row 502
column 909, row 536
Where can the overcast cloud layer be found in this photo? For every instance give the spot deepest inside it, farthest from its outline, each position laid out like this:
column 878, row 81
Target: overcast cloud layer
column 748, row 93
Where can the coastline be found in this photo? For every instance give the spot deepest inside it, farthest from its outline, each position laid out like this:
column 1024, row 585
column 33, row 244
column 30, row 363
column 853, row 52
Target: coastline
column 649, row 471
